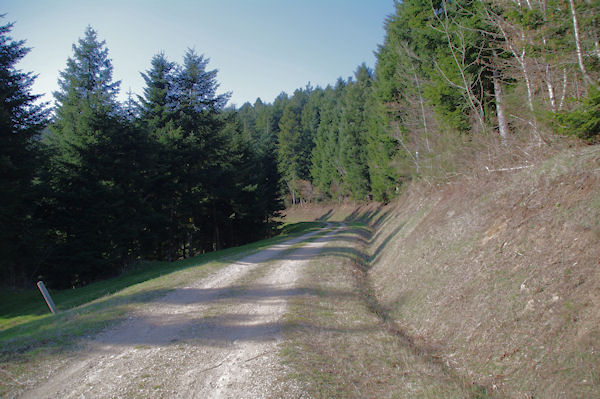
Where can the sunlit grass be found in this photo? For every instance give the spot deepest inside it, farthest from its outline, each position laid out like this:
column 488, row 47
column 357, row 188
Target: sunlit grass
column 26, row 322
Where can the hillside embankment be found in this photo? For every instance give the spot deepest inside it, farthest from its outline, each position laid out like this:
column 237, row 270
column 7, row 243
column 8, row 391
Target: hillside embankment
column 498, row 275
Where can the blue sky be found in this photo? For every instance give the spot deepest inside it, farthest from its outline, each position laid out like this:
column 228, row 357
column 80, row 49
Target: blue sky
column 260, row 47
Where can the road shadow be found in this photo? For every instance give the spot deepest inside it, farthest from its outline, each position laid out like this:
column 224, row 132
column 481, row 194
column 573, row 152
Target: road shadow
column 375, row 256
column 177, row 314
column 325, row 217
column 213, row 330
column 187, row 296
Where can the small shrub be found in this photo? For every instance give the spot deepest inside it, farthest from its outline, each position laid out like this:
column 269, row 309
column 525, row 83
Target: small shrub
column 583, row 121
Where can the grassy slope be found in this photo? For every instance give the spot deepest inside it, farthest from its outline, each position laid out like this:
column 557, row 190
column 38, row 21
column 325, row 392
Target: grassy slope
column 336, row 347
column 31, row 339
column 499, row 274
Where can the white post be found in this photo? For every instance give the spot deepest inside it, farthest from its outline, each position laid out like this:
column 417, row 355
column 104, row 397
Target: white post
column 47, row 296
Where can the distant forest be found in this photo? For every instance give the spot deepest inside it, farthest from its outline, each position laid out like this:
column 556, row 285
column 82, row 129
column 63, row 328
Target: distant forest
column 92, row 186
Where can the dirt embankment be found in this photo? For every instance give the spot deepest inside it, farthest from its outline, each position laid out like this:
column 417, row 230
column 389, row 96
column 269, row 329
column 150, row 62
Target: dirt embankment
column 499, row 274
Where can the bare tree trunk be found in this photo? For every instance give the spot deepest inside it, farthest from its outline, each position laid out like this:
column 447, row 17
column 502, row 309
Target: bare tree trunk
column 523, row 64
column 292, row 192
column 586, row 77
column 502, row 124
column 548, row 76
column 217, row 232
column 564, row 89
column 422, row 113
column 522, row 61
column 474, row 102
column 534, row 125
column 398, row 136
column 551, row 95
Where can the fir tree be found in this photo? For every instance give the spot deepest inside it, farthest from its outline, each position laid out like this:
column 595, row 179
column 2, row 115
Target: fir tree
column 326, row 162
column 289, row 147
column 353, row 134
column 156, row 105
column 21, row 121
column 89, row 170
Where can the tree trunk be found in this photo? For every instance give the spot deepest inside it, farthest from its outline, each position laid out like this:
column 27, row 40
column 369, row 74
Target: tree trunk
column 292, row 192
column 522, row 61
column 551, row 95
column 578, row 42
column 171, row 247
column 190, row 244
column 564, row 89
column 423, row 113
column 502, row 124
column 217, row 232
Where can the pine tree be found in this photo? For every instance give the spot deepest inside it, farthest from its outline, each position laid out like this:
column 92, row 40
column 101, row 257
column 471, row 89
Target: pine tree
column 353, row 134
column 203, row 149
column 89, row 170
column 381, row 149
column 310, row 120
column 156, row 105
column 326, row 161
column 21, row 121
column 157, row 122
column 289, row 147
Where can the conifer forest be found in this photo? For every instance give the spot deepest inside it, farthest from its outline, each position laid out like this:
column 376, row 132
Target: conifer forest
column 90, row 185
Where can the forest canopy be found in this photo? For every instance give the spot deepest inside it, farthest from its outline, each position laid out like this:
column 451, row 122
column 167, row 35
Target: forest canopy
column 93, row 185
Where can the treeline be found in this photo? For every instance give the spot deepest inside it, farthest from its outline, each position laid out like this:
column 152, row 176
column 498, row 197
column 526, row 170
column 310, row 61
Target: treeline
column 449, row 75
column 166, row 175
column 328, row 142
column 174, row 172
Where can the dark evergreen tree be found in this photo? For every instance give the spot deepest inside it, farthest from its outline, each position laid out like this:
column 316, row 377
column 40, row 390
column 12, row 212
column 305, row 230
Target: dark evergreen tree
column 353, row 134
column 381, row 150
column 326, row 161
column 201, row 151
column 21, row 121
column 247, row 117
column 157, row 121
column 310, row 120
column 289, row 146
column 91, row 205
column 254, row 196
column 156, row 106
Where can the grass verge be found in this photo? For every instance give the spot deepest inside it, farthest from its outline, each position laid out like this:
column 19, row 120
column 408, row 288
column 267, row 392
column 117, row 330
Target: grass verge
column 336, row 346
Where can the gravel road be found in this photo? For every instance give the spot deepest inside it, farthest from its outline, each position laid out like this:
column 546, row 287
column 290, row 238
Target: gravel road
column 215, row 338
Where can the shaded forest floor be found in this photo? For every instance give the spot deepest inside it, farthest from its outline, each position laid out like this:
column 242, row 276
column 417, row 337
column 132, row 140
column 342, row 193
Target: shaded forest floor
column 497, row 277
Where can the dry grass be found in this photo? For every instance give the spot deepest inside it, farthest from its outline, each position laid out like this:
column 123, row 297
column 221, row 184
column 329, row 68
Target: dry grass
column 336, row 346
column 330, row 212
column 501, row 273
column 498, row 273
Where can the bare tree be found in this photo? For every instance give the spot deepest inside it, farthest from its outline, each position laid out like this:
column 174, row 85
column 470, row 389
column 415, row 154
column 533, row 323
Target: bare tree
column 454, row 34
column 578, row 46
column 515, row 39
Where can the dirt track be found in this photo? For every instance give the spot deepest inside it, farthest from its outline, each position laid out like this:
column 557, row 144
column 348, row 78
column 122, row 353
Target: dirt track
column 215, row 338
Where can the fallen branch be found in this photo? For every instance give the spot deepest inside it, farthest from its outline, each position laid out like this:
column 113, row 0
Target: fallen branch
column 508, row 169
column 213, row 367
column 257, row 356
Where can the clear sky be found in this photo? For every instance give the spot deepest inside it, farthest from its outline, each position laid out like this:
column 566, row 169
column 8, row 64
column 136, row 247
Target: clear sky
column 260, row 47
